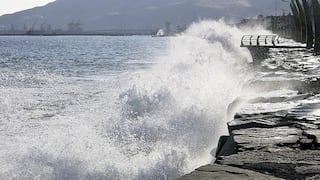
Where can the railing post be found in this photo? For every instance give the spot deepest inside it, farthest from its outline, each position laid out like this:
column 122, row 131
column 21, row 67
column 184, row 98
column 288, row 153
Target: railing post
column 265, row 40
column 242, row 40
column 273, row 39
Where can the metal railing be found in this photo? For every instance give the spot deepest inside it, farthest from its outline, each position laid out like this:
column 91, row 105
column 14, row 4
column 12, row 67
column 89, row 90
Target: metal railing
column 259, row 40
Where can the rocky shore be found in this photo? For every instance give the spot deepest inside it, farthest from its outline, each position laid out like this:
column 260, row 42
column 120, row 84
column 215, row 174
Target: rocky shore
column 275, row 133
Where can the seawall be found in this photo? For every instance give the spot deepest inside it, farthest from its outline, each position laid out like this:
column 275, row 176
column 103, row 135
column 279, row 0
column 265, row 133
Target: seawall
column 275, row 133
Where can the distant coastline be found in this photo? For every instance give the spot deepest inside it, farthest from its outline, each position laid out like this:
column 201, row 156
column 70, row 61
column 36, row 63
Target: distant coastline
column 84, row 33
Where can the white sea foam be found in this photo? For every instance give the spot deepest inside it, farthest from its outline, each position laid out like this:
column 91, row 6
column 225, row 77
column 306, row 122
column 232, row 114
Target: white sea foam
column 158, row 123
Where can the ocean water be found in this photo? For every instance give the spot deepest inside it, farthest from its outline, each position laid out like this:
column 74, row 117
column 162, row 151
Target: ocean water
column 133, row 107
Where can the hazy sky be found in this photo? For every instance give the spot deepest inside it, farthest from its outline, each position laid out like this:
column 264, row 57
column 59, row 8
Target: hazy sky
column 11, row 6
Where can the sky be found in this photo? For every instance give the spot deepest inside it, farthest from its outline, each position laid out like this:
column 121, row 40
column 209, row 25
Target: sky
column 11, row 6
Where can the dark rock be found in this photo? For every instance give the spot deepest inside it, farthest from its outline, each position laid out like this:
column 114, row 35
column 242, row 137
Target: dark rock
column 308, row 169
column 226, row 146
column 306, row 112
column 313, row 134
column 283, row 144
column 286, row 171
column 258, row 121
column 275, row 133
column 224, row 172
column 316, row 177
column 256, row 138
column 273, row 155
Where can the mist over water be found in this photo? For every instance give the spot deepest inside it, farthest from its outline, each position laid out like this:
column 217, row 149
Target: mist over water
column 135, row 108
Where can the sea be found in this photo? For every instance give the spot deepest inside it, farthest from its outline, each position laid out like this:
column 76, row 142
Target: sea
column 118, row 108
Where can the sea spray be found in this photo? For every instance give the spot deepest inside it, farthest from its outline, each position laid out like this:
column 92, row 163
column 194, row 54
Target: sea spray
column 155, row 123
column 176, row 110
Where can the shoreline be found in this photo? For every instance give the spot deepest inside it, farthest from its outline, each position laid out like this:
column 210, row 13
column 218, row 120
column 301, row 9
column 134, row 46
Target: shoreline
column 83, row 34
column 275, row 134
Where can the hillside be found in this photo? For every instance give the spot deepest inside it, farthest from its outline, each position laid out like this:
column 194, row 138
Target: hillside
column 137, row 14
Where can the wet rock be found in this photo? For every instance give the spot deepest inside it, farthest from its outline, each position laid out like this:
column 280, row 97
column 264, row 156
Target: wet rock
column 277, row 156
column 223, row 172
column 263, row 120
column 283, row 143
column 316, row 177
column 308, row 169
column 276, row 132
column 226, row 146
column 313, row 134
column 256, row 138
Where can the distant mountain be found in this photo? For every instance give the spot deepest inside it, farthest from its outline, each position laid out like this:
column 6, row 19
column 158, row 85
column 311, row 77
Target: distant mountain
column 135, row 14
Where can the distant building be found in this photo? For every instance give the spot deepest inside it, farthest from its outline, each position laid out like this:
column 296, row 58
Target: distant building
column 282, row 25
column 75, row 27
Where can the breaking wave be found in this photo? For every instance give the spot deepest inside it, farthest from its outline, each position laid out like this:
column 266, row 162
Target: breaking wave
column 158, row 123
